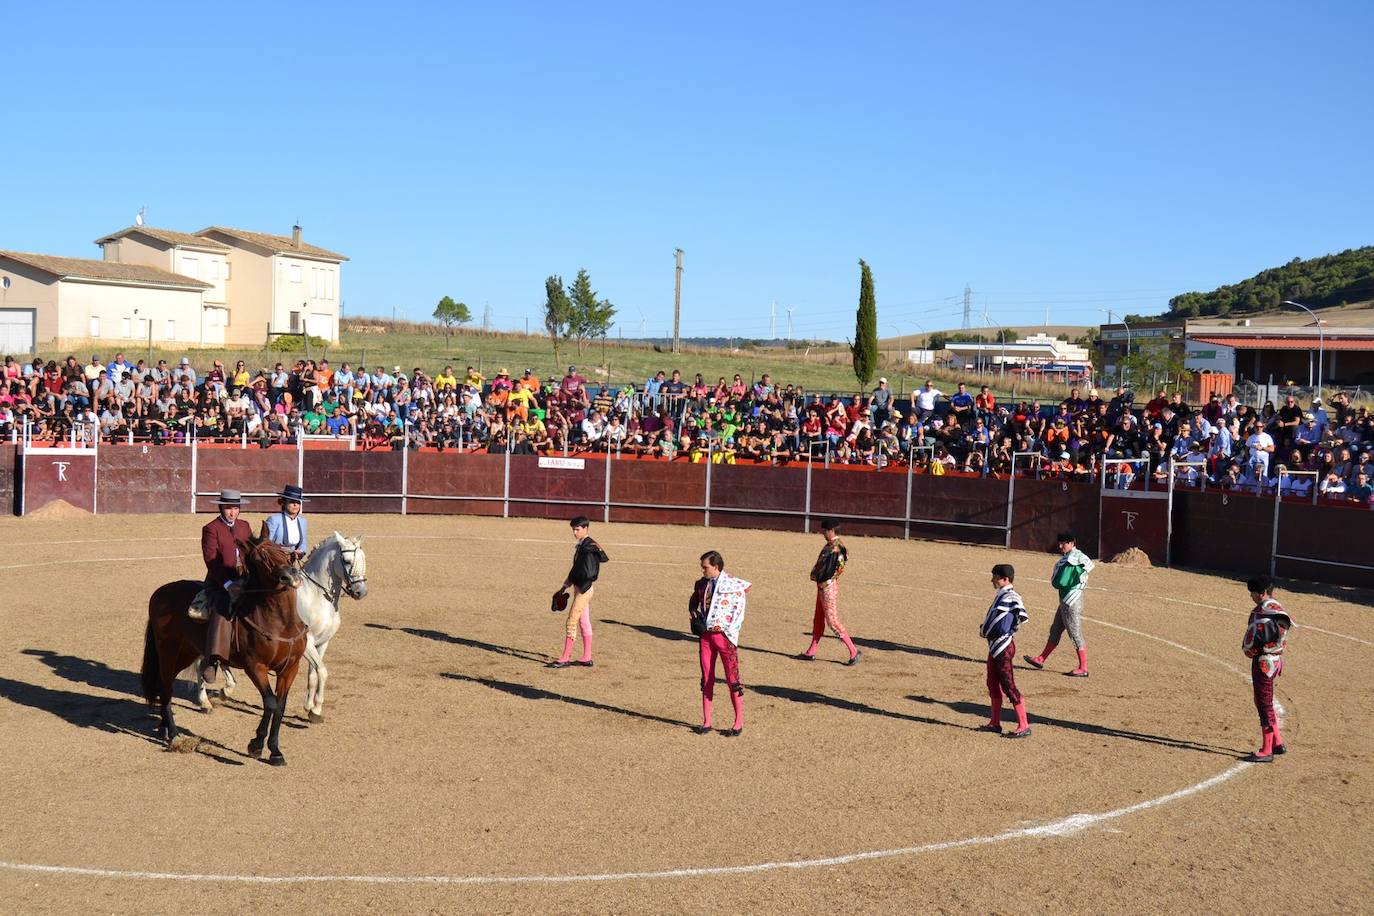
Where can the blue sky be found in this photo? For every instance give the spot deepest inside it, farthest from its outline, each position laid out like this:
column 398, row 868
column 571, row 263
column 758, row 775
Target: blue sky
column 1075, row 156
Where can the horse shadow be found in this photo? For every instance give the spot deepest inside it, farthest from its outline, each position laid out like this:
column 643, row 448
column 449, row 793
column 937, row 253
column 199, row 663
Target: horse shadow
column 1104, row 731
column 111, row 715
column 526, row 692
column 440, row 636
column 798, row 695
column 89, row 671
column 648, row 629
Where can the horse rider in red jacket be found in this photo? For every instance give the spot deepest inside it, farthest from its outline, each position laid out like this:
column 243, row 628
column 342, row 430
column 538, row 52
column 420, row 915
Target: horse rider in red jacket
column 222, row 542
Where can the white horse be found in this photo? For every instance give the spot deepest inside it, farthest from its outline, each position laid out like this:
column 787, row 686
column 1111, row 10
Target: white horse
column 337, row 566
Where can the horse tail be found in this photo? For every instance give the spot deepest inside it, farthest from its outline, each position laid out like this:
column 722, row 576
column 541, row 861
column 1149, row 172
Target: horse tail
column 152, row 669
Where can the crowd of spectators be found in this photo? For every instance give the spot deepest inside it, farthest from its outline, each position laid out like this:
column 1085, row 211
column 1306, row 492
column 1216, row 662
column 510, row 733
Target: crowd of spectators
column 1221, row 443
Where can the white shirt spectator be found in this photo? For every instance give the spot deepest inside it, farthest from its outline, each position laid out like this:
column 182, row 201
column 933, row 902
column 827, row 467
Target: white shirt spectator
column 1261, row 446
column 1333, row 485
column 925, row 398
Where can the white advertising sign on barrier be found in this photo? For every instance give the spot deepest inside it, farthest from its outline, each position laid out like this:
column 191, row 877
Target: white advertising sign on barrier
column 568, row 464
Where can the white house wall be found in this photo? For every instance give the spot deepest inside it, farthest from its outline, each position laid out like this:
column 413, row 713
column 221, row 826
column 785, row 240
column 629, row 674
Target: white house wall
column 79, row 302
column 310, row 288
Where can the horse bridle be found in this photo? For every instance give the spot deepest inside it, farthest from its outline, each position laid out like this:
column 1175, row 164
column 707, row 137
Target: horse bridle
column 351, row 582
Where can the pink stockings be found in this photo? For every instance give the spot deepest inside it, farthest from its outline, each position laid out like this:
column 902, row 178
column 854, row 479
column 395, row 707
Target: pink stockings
column 717, row 645
column 827, row 611
column 584, row 623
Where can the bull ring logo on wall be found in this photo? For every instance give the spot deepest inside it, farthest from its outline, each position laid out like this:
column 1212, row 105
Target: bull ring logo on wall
column 1130, row 519
column 61, row 469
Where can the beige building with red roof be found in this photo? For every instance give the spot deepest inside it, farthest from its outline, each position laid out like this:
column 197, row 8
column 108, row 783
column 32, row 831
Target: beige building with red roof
column 54, row 300
column 279, row 284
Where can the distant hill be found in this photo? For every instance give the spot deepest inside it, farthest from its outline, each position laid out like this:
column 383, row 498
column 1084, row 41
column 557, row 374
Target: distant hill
column 1334, row 279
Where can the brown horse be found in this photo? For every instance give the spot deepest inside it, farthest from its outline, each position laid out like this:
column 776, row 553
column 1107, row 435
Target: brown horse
column 268, row 635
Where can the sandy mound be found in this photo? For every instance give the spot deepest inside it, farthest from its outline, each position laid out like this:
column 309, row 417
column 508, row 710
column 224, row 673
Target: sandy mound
column 184, row 744
column 59, row 510
column 1132, row 556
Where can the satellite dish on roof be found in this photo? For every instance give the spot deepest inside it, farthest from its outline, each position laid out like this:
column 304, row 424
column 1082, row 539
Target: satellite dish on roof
column 138, row 220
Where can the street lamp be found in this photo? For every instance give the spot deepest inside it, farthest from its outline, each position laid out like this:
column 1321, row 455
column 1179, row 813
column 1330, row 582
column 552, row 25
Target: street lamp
column 1321, row 341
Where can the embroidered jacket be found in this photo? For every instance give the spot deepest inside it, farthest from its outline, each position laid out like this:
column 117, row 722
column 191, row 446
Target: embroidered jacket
column 726, row 612
column 277, row 531
column 1266, row 635
column 1070, row 576
column 830, row 563
column 1005, row 616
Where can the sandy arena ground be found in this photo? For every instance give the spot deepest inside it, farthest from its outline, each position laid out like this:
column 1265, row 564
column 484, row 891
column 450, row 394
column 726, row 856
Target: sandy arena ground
column 464, row 775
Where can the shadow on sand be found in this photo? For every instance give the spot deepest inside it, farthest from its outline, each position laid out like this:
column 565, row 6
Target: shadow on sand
column 665, row 633
column 526, row 692
column 1105, row 731
column 797, row 695
column 440, row 636
column 112, row 715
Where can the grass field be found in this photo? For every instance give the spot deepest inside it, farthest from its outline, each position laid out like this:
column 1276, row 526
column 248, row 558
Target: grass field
column 409, row 344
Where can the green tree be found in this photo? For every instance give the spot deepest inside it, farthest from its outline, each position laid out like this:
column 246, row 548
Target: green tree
column 557, row 312
column 448, row 313
column 590, row 317
column 864, row 349
column 936, row 341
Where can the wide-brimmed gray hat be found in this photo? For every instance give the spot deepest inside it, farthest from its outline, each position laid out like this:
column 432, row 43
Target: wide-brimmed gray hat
column 229, row 498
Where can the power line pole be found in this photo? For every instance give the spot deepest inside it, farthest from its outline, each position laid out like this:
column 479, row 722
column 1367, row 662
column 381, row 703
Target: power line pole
column 789, row 322
column 677, row 304
column 773, row 321
column 486, row 316
column 968, row 304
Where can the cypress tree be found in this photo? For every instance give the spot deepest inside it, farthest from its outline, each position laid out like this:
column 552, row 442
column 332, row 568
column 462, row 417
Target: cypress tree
column 865, row 346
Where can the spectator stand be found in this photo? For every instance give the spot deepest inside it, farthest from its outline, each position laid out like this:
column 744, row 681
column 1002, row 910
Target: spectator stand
column 1129, row 516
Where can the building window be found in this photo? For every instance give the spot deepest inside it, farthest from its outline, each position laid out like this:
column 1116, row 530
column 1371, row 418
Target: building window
column 214, row 270
column 171, row 329
column 190, row 267
column 294, row 272
column 295, row 322
column 329, row 284
column 226, row 270
column 124, row 329
column 95, row 326
column 142, row 328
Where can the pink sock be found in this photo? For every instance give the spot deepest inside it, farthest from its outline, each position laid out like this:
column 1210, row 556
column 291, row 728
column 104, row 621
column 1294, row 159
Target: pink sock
column 849, row 644
column 1082, row 660
column 737, row 701
column 567, row 649
column 705, row 710
column 1045, row 652
column 1021, row 723
column 811, row 649
column 585, row 625
column 1268, row 746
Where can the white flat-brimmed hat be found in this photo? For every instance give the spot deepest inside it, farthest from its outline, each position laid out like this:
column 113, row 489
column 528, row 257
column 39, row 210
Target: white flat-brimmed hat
column 229, row 498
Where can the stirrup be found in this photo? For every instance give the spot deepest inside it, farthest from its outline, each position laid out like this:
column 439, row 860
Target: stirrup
column 197, row 613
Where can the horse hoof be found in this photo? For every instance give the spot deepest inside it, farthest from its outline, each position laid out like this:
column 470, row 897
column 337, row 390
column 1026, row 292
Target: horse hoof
column 314, row 718
column 277, row 760
column 255, row 748
column 207, row 707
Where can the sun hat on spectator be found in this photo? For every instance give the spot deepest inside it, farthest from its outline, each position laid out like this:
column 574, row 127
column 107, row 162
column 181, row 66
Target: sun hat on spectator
column 185, row 361
column 502, row 371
